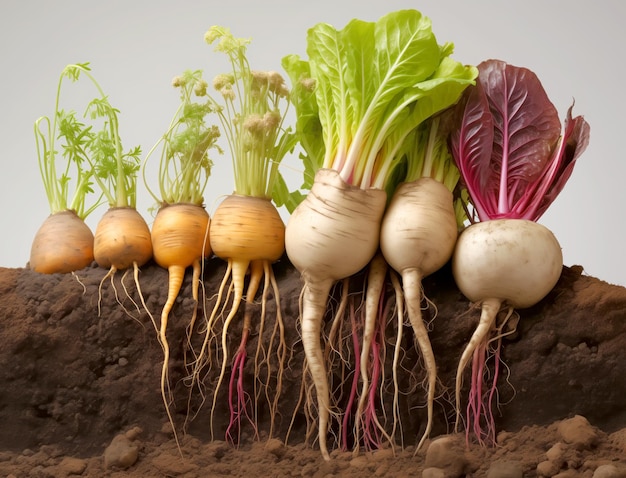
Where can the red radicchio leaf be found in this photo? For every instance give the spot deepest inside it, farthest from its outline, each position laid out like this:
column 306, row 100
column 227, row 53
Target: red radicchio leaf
column 574, row 141
column 508, row 144
column 472, row 140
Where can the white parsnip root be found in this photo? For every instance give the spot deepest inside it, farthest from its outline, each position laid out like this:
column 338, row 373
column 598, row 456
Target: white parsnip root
column 418, row 234
column 331, row 235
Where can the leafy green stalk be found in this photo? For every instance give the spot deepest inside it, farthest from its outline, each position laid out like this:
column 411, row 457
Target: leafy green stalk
column 374, row 83
column 96, row 155
column 252, row 116
column 185, row 166
column 73, row 135
column 427, row 155
column 115, row 170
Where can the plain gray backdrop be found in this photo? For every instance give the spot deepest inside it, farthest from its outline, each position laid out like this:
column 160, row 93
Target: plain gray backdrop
column 136, row 48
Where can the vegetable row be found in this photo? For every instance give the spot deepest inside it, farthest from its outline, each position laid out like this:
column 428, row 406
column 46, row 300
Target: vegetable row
column 411, row 159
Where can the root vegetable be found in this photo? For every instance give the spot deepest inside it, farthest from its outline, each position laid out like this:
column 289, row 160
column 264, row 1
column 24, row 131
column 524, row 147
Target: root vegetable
column 504, row 262
column 360, row 94
column 122, row 239
column 514, row 159
column 249, row 234
column 180, row 239
column 180, row 231
column 247, row 230
column 331, row 235
column 63, row 243
column 418, row 234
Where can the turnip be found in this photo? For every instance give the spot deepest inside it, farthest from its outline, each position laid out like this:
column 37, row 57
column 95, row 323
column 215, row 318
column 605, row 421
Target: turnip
column 362, row 91
column 247, row 230
column 514, row 159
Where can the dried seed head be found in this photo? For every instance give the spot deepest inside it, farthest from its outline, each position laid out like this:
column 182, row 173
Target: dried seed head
column 200, row 88
column 178, row 81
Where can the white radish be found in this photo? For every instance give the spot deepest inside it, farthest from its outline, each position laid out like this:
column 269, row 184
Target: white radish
column 331, row 235
column 418, row 234
column 510, row 262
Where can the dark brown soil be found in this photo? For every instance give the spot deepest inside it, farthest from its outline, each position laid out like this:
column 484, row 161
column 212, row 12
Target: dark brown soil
column 80, row 390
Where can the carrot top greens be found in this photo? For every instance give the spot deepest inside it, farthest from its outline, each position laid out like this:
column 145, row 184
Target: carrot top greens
column 75, row 169
column 90, row 155
column 185, row 166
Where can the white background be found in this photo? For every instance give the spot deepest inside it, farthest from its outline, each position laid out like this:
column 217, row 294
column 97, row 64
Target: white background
column 136, row 48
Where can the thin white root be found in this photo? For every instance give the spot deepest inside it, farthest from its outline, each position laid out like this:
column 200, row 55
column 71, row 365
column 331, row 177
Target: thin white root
column 412, row 285
column 314, row 303
column 238, row 273
column 79, row 281
column 489, row 312
column 375, row 285
column 281, row 350
column 110, row 273
column 203, row 358
column 397, row 422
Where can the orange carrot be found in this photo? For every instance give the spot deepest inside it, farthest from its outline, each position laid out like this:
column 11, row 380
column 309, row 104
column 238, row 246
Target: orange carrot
column 249, row 234
column 64, row 243
column 180, row 232
column 247, row 230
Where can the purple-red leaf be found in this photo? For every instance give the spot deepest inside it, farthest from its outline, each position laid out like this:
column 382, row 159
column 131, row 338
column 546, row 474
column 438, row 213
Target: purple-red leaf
column 508, row 144
column 473, row 140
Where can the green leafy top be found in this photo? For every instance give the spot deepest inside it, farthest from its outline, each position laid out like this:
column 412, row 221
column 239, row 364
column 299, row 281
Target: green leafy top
column 252, row 114
column 425, row 154
column 76, row 168
column 93, row 155
column 365, row 88
column 115, row 170
column 185, row 166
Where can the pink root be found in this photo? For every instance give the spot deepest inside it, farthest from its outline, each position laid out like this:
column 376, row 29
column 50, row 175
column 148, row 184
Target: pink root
column 238, row 399
column 371, row 433
column 480, row 418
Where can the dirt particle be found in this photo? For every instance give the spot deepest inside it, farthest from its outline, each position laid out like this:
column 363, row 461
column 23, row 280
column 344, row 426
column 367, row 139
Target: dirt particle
column 433, row 472
column 121, row 453
column 275, row 447
column 556, row 454
column 578, row 432
column 609, row 471
column 505, row 469
column 547, row 468
column 446, row 453
column 71, row 466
